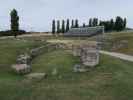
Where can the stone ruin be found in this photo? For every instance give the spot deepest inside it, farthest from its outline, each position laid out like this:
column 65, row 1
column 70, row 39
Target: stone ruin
column 76, row 50
column 88, row 53
column 23, row 61
column 123, row 44
column 22, row 65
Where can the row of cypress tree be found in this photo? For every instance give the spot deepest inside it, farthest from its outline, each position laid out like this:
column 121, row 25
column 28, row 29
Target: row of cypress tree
column 118, row 24
column 63, row 27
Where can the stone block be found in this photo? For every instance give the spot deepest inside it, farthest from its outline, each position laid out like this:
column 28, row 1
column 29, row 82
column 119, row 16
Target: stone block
column 21, row 68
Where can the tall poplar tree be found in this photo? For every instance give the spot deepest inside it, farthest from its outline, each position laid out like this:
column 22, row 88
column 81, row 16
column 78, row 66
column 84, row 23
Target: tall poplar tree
column 63, row 26
column 58, row 26
column 67, row 25
column 53, row 27
column 119, row 24
column 95, row 22
column 125, row 23
column 76, row 23
column 111, row 24
column 14, row 22
column 90, row 22
column 84, row 25
column 72, row 24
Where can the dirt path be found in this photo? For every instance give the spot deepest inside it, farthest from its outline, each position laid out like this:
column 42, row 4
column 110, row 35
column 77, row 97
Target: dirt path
column 118, row 55
column 26, row 35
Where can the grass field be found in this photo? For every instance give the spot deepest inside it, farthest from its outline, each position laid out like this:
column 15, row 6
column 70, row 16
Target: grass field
column 115, row 39
column 110, row 40
column 10, row 49
column 112, row 79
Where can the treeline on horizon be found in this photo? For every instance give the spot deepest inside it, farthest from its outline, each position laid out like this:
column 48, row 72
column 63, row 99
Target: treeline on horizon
column 63, row 26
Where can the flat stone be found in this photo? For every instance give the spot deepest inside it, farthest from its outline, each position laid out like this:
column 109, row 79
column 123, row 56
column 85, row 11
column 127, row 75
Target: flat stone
column 79, row 68
column 38, row 76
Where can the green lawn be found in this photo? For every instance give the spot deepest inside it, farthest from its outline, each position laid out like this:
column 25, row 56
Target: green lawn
column 112, row 79
column 112, row 39
column 10, row 49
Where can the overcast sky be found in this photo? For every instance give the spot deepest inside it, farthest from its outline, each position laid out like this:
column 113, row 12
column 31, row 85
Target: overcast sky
column 36, row 15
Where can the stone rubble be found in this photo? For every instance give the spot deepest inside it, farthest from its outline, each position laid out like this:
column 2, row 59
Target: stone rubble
column 36, row 76
column 88, row 53
column 21, row 68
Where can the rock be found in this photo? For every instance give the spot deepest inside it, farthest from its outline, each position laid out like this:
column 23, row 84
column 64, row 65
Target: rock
column 54, row 72
column 23, row 59
column 34, row 52
column 79, row 68
column 36, row 76
column 21, row 68
column 60, row 45
column 90, row 55
column 76, row 50
column 37, row 51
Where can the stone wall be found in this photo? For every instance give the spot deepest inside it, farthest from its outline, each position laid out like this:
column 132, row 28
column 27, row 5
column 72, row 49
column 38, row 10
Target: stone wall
column 90, row 56
column 88, row 53
column 23, row 62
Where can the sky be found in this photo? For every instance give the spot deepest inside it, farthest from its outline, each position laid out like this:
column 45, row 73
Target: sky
column 37, row 15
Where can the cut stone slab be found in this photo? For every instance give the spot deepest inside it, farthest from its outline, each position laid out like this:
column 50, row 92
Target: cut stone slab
column 90, row 55
column 80, row 68
column 37, row 76
column 21, row 68
column 23, row 59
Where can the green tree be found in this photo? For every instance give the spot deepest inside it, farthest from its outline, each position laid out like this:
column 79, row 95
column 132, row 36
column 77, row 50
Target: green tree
column 125, row 23
column 67, row 25
column 111, row 24
column 14, row 22
column 95, row 22
column 76, row 23
column 58, row 26
column 106, row 25
column 84, row 25
column 63, row 26
column 101, row 23
column 53, row 27
column 119, row 24
column 90, row 22
column 72, row 24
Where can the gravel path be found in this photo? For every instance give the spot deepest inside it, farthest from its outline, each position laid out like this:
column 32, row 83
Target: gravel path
column 118, row 55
